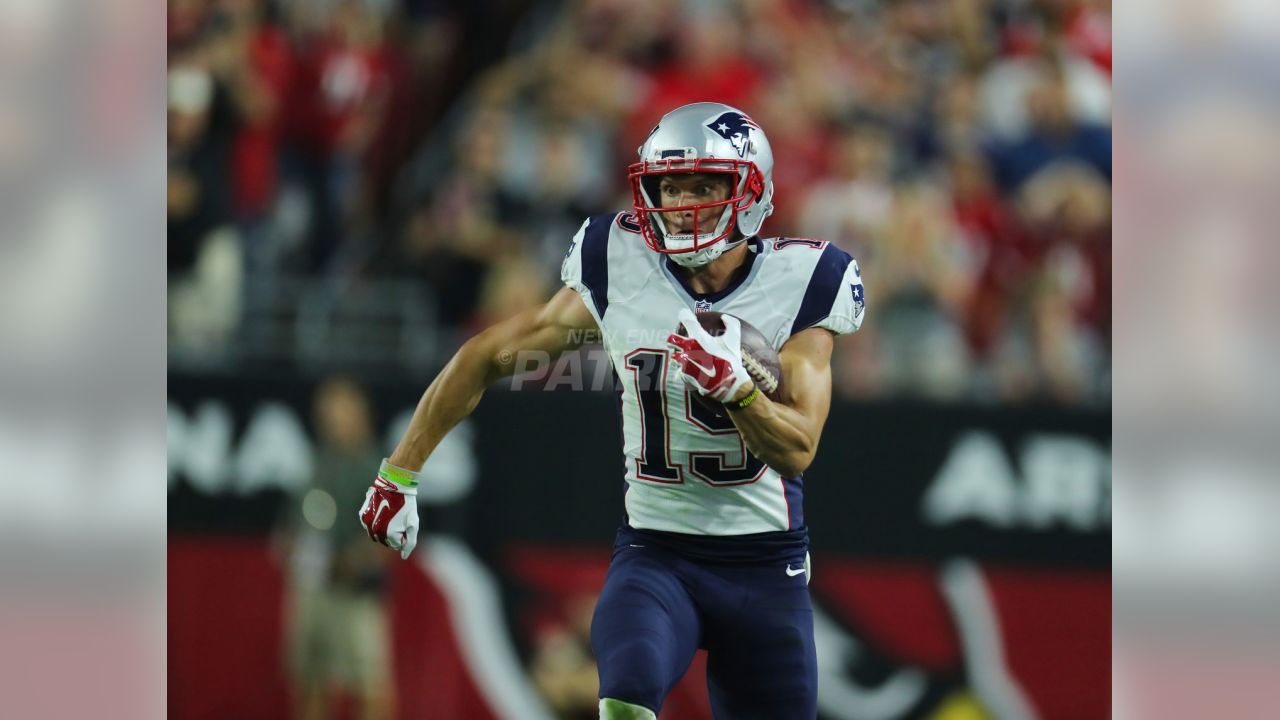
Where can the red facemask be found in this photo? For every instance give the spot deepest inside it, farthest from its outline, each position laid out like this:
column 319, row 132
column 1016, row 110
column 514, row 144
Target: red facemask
column 645, row 176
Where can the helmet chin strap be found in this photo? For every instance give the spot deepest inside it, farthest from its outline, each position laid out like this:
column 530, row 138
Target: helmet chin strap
column 706, row 255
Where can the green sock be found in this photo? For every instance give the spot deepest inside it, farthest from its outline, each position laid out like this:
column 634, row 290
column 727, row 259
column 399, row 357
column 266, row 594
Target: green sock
column 611, row 709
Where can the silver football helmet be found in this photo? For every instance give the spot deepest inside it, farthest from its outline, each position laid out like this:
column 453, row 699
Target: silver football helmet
column 709, row 138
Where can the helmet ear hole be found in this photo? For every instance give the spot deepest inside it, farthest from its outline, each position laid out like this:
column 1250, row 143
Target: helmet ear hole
column 651, row 185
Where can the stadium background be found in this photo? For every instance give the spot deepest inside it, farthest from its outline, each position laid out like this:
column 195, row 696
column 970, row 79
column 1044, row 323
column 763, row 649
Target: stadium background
column 355, row 187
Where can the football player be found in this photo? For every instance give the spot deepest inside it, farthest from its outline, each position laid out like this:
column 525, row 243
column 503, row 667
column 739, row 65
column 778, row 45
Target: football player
column 713, row 549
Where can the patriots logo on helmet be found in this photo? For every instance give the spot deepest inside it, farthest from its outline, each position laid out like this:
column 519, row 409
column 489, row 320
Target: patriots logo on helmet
column 736, row 128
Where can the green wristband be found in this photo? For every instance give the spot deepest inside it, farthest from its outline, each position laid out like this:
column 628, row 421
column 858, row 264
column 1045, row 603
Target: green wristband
column 750, row 398
column 398, row 475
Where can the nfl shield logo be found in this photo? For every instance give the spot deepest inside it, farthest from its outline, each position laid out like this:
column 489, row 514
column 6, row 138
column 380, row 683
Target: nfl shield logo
column 702, row 306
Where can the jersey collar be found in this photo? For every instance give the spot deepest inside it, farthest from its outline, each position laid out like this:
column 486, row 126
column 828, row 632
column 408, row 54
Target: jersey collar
column 739, row 280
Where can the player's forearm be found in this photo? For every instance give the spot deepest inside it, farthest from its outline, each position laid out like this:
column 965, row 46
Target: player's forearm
column 451, row 396
column 778, row 435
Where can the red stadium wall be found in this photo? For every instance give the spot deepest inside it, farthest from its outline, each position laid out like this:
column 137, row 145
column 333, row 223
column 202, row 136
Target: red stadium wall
column 226, row 630
column 226, row 639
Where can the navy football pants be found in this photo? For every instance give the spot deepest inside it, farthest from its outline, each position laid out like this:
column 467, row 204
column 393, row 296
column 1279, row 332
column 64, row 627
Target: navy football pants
column 755, row 621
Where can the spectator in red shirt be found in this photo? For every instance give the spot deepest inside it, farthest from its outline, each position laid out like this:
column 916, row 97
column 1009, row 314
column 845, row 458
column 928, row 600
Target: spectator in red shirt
column 256, row 64
column 339, row 98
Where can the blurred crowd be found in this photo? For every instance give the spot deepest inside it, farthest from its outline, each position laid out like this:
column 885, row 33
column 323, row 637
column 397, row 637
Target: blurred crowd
column 960, row 149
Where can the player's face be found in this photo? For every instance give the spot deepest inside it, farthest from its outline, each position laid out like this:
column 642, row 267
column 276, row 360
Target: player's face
column 694, row 189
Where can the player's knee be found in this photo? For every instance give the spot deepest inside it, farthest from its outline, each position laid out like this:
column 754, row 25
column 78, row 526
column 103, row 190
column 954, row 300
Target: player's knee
column 632, row 671
column 611, row 709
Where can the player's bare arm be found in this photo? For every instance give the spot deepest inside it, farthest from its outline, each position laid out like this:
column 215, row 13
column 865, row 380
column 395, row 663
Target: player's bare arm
column 390, row 510
column 489, row 356
column 784, row 434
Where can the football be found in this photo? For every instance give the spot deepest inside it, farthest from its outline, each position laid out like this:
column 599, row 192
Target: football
column 759, row 357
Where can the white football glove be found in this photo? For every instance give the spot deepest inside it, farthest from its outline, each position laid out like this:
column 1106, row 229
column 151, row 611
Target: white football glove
column 711, row 364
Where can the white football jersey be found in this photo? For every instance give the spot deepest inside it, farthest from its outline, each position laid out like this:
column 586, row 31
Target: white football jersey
column 687, row 468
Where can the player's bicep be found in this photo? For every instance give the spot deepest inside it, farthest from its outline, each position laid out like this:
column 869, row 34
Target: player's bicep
column 561, row 324
column 568, row 311
column 806, row 372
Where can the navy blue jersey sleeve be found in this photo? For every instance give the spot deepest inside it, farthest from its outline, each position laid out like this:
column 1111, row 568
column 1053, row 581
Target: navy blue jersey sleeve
column 834, row 298
column 586, row 264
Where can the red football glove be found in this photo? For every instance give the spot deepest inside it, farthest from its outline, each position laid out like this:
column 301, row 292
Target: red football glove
column 711, row 364
column 390, row 510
